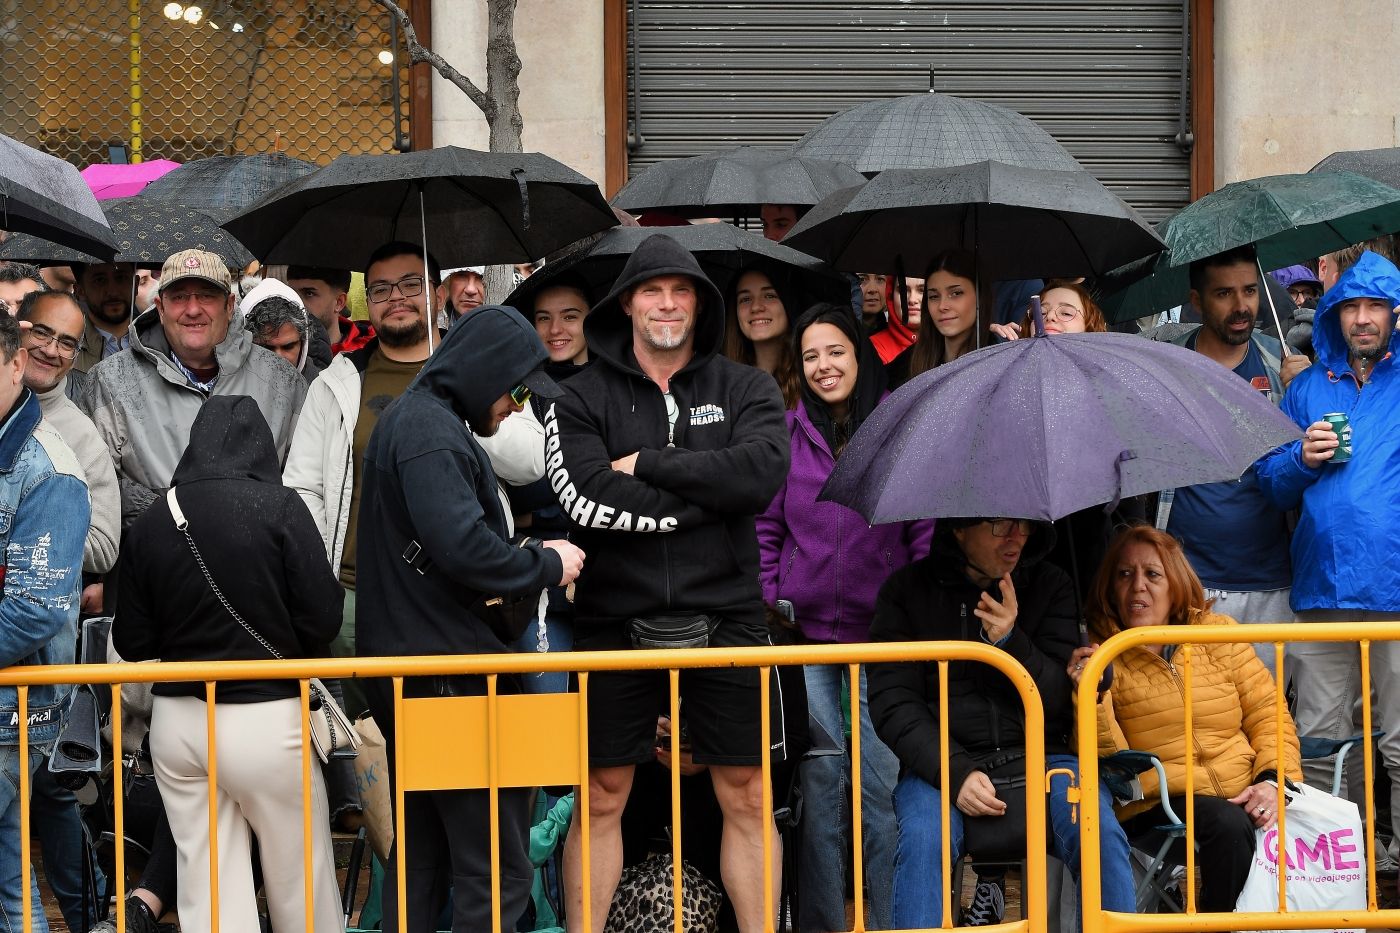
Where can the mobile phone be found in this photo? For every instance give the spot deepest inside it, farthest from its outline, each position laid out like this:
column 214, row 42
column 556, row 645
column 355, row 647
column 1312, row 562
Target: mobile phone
column 784, row 607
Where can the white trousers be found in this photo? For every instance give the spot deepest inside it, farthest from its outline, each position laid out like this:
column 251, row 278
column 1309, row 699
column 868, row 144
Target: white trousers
column 259, row 793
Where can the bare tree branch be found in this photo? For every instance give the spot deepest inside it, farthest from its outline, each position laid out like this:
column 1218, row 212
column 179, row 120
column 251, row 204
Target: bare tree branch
column 418, row 54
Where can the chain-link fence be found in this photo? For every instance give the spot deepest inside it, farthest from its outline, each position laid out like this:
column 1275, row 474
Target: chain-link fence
column 101, row 80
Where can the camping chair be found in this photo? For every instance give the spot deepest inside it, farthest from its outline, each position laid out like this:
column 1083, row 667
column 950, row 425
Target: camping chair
column 1157, row 887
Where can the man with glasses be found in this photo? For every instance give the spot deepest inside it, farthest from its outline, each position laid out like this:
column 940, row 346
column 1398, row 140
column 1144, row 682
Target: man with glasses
column 144, row 399
column 984, row 580
column 344, row 404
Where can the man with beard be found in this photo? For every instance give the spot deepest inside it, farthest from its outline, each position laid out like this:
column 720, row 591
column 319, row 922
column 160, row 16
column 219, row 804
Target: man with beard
column 1344, row 553
column 435, row 540
column 106, row 290
column 1235, row 539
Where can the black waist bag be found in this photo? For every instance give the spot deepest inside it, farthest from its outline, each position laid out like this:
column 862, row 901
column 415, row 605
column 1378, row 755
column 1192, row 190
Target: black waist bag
column 1001, row 838
column 672, row 631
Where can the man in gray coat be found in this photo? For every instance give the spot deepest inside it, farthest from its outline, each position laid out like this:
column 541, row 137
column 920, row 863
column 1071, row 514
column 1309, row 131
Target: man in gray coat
column 144, row 399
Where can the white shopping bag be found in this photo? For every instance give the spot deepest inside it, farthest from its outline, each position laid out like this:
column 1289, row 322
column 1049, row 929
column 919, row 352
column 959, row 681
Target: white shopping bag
column 1324, row 850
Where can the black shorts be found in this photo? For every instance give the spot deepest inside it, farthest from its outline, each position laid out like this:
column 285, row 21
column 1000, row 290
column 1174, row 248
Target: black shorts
column 719, row 708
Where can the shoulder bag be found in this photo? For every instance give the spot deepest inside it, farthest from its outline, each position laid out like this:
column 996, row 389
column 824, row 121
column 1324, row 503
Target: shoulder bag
column 331, row 730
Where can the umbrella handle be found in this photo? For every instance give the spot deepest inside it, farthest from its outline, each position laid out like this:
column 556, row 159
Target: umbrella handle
column 1038, row 315
column 1278, row 325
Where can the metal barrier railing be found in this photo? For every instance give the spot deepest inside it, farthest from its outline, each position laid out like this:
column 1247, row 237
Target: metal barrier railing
column 1097, row 920
column 433, row 767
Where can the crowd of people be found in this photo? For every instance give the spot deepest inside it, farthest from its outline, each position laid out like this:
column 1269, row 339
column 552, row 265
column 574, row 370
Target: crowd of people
column 233, row 468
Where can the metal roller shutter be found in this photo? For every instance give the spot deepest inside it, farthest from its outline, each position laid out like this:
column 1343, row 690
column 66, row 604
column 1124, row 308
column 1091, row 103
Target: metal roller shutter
column 1104, row 78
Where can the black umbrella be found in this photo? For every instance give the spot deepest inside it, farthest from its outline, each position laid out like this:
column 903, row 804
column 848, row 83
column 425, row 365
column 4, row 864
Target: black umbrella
column 472, row 207
column 931, row 131
column 147, row 233
column 732, row 182
column 223, row 185
column 721, row 249
column 46, row 196
column 1020, row 222
column 1382, row 165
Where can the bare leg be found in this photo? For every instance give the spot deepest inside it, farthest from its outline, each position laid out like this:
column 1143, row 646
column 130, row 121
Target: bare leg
column 607, row 795
column 740, row 794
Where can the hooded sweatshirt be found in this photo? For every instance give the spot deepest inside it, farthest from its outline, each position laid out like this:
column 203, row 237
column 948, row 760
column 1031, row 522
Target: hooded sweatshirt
column 427, row 480
column 1344, row 551
column 932, row 600
column 260, row 546
column 677, row 536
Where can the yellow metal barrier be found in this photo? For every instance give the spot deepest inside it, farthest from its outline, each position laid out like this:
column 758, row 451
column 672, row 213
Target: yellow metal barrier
column 1097, row 920
column 481, row 755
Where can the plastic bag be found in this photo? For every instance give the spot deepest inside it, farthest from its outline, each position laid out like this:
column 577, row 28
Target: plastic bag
column 1324, row 850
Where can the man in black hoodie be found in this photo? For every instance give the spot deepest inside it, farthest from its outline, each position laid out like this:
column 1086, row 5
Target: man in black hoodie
column 432, row 543
column 662, row 452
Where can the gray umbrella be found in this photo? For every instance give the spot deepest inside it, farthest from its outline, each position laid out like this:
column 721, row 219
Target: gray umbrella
column 931, row 131
column 222, row 185
column 46, row 196
column 1382, row 165
column 147, row 232
column 473, row 208
column 731, row 182
column 1020, row 222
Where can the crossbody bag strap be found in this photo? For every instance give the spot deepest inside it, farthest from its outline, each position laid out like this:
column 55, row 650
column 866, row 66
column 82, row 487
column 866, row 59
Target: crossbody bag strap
column 183, row 525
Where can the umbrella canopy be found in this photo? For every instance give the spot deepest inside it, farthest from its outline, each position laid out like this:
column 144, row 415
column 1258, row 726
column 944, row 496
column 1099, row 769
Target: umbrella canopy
column 1021, row 222
column 734, row 181
column 721, row 249
column 1289, row 218
column 223, row 185
column 475, row 207
column 45, row 196
column 931, row 131
column 123, row 181
column 1382, row 165
column 147, row 233
column 1044, row 427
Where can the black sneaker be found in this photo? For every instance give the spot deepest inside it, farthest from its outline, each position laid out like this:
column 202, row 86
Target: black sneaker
column 138, row 919
column 988, row 904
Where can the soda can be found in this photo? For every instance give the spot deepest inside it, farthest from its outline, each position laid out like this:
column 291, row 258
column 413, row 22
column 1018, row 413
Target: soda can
column 1341, row 426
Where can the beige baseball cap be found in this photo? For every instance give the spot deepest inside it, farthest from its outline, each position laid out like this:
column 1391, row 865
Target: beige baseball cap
column 195, row 264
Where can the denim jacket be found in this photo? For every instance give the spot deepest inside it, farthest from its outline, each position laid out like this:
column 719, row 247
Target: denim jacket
column 44, row 516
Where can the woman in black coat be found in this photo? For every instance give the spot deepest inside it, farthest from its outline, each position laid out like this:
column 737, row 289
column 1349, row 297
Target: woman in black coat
column 261, row 547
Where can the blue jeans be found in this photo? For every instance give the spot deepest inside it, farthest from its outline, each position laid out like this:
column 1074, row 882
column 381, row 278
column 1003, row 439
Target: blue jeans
column 53, row 810
column 11, row 891
column 558, row 636
column 919, row 885
column 826, row 820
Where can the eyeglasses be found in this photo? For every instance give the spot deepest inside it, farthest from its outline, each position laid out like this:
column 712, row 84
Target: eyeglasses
column 205, row 298
column 1062, row 313
column 521, row 394
column 410, row 286
column 1001, row 527
column 65, row 346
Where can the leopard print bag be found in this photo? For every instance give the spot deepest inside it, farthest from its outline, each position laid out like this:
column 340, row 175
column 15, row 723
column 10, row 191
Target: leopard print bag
column 643, row 902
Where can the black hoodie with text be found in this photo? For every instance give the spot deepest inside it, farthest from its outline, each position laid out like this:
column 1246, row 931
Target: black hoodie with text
column 678, row 535
column 260, row 545
column 426, row 479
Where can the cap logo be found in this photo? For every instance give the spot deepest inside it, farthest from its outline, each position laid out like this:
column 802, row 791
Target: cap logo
column 192, row 263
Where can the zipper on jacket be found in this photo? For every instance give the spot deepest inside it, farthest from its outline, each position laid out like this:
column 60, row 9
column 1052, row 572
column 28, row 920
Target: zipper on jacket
column 1195, row 740
column 788, row 569
column 666, row 564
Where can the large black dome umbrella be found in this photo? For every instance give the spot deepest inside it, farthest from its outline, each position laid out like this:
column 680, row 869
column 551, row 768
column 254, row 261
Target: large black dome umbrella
column 471, row 208
column 45, row 196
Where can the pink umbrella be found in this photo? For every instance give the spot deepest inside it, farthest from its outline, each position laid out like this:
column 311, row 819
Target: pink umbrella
column 122, row 181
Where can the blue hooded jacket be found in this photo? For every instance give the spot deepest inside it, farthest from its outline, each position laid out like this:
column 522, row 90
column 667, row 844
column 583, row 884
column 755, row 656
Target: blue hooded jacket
column 1344, row 550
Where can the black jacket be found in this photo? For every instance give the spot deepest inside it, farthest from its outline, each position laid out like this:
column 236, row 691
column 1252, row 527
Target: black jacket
column 426, row 479
column 932, row 600
column 678, row 535
column 261, row 547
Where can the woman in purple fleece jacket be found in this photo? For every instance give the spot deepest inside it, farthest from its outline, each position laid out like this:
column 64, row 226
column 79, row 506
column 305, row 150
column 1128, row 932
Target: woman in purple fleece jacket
column 828, row 563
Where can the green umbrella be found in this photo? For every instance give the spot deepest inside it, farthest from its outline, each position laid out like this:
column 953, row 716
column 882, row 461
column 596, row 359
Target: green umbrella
column 1289, row 219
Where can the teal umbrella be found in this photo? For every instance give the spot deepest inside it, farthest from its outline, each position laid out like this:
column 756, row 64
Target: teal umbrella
column 1289, row 218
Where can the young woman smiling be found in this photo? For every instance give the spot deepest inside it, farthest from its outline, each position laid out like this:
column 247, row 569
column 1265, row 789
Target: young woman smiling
column 949, row 320
column 756, row 333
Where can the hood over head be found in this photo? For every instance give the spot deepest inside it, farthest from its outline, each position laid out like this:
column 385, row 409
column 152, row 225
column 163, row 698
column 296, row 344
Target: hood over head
column 269, row 288
column 1373, row 276
column 609, row 331
column 230, row 439
column 484, row 355
column 1294, row 275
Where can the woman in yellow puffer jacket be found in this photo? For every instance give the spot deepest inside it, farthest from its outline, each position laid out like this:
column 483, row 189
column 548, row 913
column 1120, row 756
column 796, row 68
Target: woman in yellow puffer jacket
column 1145, row 579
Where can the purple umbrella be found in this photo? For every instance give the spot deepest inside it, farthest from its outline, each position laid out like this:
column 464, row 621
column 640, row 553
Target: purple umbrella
column 1043, row 427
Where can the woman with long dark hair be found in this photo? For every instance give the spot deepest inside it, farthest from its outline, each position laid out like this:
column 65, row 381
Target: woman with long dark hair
column 756, row 332
column 949, row 321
